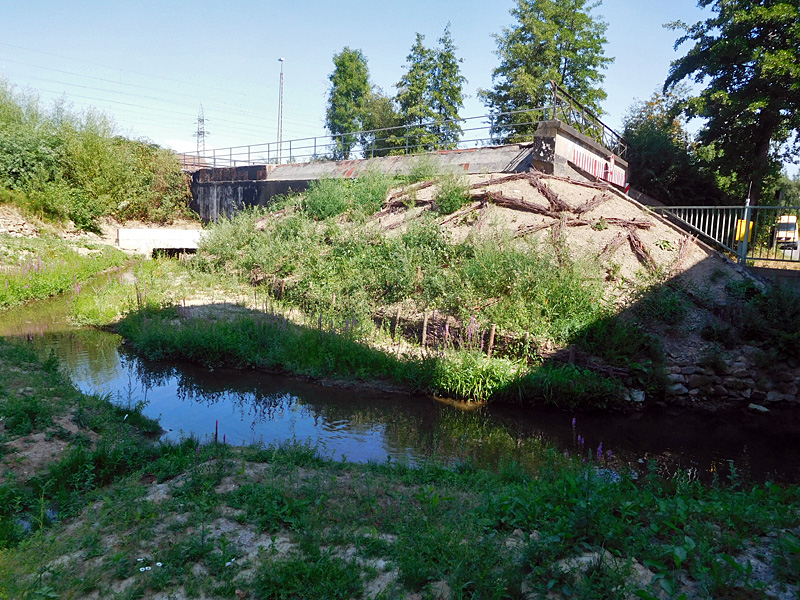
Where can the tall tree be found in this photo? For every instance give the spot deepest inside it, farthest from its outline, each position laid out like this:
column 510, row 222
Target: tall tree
column 379, row 113
column 748, row 54
column 350, row 89
column 414, row 96
column 556, row 40
column 661, row 158
column 446, row 91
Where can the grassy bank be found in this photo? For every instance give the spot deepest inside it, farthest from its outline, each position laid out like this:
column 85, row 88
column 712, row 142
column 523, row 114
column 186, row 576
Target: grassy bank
column 337, row 351
column 118, row 515
column 35, row 268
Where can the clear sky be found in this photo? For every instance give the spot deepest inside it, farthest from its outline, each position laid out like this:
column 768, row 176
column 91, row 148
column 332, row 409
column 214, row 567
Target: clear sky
column 150, row 64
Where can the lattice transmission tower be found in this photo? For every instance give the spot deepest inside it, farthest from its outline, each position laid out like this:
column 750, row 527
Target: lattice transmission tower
column 202, row 132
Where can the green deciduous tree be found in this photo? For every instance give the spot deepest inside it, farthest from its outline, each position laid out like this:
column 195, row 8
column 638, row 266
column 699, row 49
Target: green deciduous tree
column 748, row 56
column 661, row 158
column 556, row 40
column 350, row 89
column 379, row 113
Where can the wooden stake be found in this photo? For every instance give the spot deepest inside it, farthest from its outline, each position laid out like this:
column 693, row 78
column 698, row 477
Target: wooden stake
column 425, row 329
column 491, row 341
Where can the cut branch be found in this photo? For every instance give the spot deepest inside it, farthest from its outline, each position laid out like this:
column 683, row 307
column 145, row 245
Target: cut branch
column 556, row 203
column 639, row 249
column 592, row 204
column 613, row 245
column 629, row 223
column 515, row 203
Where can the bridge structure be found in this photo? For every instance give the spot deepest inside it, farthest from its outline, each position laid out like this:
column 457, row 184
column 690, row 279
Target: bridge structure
column 563, row 138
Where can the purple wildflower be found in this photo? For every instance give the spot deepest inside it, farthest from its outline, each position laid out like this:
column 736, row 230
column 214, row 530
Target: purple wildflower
column 600, row 451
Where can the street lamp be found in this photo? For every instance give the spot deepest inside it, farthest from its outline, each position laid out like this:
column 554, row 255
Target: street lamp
column 280, row 112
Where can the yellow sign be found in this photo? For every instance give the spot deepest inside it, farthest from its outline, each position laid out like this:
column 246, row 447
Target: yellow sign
column 740, row 223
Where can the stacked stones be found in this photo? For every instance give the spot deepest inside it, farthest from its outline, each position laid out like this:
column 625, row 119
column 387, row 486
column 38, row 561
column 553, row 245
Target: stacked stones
column 737, row 382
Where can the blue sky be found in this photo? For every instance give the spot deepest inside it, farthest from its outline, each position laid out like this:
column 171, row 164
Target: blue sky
column 149, row 65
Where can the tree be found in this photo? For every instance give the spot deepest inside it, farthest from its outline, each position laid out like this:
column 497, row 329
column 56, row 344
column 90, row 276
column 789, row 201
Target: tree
column 414, row 96
column 661, row 158
column 748, row 52
column 379, row 112
column 350, row 89
column 446, row 91
column 554, row 40
column 430, row 94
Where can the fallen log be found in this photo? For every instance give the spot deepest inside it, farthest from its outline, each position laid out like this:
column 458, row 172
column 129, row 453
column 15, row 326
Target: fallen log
column 639, row 249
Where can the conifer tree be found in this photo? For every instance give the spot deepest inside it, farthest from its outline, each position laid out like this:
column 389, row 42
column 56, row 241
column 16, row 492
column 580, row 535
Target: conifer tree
column 556, row 40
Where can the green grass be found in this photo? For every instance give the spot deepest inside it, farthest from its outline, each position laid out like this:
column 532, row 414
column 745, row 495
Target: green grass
column 34, row 268
column 286, row 522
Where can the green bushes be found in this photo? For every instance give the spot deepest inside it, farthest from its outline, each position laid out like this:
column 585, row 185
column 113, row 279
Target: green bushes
column 360, row 197
column 64, row 166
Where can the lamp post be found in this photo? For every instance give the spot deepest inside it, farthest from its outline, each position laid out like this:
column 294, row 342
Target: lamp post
column 280, row 112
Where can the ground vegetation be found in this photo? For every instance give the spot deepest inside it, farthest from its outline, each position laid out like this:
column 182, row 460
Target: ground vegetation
column 110, row 512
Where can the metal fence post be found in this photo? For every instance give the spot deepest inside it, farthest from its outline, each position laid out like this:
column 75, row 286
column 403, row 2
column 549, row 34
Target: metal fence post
column 746, row 237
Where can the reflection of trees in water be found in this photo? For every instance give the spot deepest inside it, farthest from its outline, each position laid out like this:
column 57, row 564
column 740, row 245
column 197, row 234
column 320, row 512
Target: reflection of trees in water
column 251, row 400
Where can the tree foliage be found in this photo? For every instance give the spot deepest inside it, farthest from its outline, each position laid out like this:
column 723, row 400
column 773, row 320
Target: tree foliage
column 414, row 96
column 556, row 40
column 661, row 155
column 350, row 90
column 430, row 94
column 748, row 56
column 447, row 96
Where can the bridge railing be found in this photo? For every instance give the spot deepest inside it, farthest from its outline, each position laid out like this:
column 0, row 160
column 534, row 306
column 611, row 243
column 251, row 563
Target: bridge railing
column 772, row 231
column 429, row 136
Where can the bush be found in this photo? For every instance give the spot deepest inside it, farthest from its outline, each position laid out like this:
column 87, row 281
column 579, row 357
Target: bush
column 453, row 193
column 64, row 166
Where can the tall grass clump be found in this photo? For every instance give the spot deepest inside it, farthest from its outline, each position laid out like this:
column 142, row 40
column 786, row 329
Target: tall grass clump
column 65, row 166
column 453, row 193
column 359, row 197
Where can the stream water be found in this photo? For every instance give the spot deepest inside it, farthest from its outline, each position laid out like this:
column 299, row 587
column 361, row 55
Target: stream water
column 243, row 407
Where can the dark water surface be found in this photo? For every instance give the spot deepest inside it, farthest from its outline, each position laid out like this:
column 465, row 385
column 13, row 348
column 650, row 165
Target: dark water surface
column 249, row 406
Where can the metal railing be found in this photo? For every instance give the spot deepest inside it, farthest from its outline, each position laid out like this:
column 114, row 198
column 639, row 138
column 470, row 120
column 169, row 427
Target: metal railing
column 471, row 132
column 572, row 112
column 773, row 232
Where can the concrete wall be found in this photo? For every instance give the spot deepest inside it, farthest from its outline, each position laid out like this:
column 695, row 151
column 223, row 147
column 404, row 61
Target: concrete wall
column 562, row 150
column 222, row 191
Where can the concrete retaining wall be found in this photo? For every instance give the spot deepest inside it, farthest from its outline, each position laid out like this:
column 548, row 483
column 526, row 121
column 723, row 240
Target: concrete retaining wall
column 223, row 191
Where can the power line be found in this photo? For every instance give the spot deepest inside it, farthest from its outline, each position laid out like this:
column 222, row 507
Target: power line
column 123, row 70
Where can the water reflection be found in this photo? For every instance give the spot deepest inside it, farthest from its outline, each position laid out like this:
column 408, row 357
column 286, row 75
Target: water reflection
column 248, row 406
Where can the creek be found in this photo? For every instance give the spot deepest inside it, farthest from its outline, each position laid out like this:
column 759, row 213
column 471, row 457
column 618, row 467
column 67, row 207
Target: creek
column 246, row 406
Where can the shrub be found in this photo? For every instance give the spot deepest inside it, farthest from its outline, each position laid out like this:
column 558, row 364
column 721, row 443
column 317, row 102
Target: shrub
column 453, row 193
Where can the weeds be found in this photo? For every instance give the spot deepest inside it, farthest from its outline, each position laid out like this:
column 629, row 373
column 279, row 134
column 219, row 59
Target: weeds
column 39, row 268
column 300, row 525
column 452, row 194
